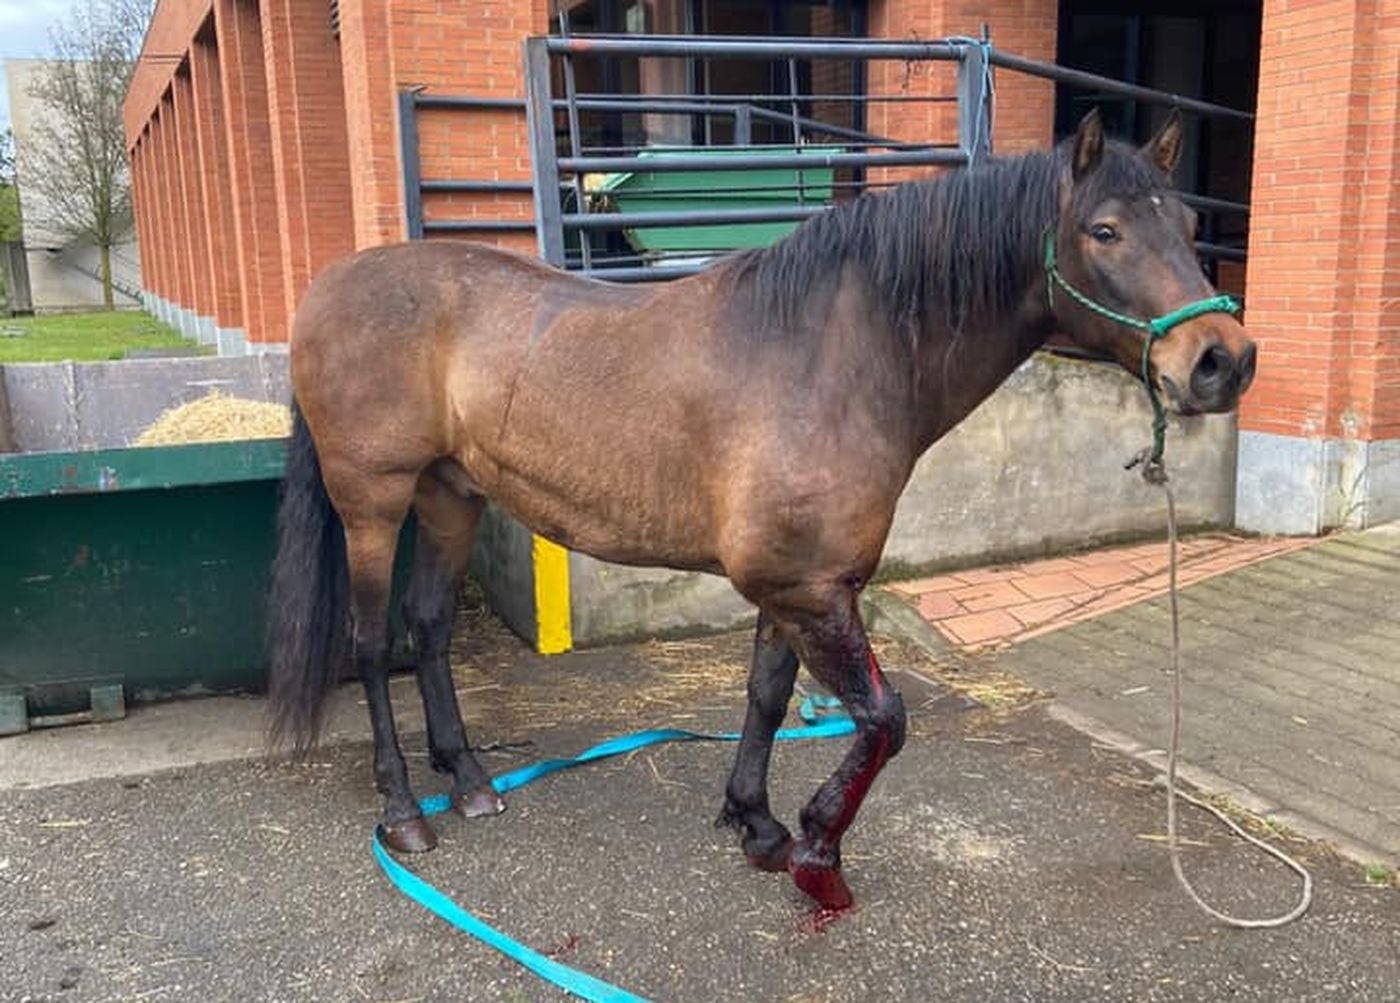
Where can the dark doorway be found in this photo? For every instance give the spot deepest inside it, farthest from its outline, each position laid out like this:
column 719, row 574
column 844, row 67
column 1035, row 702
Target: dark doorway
column 1207, row 50
column 822, row 89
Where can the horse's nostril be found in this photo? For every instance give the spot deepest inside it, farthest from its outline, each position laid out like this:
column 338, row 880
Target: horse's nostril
column 1214, row 366
column 1216, row 378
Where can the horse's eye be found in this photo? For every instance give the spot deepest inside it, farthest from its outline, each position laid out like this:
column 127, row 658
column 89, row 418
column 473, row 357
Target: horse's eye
column 1104, row 233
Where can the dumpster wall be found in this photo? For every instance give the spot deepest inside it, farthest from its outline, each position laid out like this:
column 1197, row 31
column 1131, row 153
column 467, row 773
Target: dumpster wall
column 59, row 406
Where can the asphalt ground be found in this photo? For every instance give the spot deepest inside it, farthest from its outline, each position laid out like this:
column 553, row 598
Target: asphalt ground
column 1001, row 856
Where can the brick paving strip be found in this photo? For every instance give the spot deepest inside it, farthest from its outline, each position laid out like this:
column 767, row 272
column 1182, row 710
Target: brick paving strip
column 1291, row 672
column 999, row 606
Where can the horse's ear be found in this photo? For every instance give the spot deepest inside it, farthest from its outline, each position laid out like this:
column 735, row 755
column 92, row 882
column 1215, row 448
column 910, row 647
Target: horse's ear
column 1088, row 144
column 1164, row 149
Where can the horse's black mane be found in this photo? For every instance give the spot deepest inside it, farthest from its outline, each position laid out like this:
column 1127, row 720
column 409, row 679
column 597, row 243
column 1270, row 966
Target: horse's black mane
column 959, row 249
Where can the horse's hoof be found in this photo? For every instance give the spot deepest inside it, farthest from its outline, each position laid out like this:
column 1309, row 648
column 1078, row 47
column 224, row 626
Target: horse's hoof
column 820, row 879
column 413, row 836
column 479, row 802
column 773, row 858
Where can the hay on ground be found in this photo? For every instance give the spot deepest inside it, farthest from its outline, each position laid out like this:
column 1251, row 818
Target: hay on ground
column 217, row 417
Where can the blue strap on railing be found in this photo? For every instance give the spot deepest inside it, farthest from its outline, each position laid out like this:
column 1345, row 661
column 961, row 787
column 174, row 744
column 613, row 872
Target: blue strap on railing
column 572, row 980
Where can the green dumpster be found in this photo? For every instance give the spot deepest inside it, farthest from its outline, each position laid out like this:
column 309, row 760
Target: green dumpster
column 134, row 574
column 759, row 188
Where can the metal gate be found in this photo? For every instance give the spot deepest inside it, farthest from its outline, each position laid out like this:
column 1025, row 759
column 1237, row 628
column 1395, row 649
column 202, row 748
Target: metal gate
column 622, row 210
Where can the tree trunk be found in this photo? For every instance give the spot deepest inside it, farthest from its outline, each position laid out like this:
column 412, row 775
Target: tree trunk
column 107, row 277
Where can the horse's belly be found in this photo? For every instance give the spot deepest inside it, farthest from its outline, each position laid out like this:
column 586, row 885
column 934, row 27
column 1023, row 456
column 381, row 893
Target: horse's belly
column 624, row 526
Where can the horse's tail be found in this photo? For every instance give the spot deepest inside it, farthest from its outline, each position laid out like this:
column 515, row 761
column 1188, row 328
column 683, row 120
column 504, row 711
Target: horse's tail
column 308, row 613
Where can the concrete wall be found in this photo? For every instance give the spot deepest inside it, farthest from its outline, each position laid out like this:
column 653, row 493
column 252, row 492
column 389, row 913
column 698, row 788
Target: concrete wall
column 1306, row 486
column 63, row 278
column 502, row 565
column 1038, row 469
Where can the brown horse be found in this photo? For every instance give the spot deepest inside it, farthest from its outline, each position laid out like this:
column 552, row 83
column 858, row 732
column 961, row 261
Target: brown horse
column 758, row 420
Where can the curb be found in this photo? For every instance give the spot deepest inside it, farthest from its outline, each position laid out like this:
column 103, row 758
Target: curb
column 1212, row 783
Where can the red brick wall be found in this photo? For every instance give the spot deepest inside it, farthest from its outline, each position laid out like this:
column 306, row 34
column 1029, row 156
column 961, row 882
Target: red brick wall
column 146, row 244
column 376, row 179
column 1025, row 106
column 222, row 269
column 310, row 159
column 253, row 189
column 1324, row 255
column 168, row 38
column 152, row 235
column 171, row 193
column 266, row 147
column 464, row 48
column 199, row 292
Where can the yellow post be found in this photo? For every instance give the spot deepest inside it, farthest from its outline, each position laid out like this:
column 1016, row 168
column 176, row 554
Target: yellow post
column 553, row 627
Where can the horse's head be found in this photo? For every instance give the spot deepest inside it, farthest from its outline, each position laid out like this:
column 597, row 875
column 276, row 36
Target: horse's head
column 1124, row 277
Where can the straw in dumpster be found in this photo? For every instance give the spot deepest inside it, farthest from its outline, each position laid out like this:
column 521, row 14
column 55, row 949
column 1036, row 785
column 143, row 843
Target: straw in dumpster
column 217, row 417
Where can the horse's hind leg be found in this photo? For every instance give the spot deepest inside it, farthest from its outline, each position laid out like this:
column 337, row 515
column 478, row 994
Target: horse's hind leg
column 447, row 524
column 372, row 524
column 827, row 632
column 767, row 842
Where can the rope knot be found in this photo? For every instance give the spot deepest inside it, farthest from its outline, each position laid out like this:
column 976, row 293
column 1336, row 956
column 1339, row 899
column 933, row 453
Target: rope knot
column 1154, row 471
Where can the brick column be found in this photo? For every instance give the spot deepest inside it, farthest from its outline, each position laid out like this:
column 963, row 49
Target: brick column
column 220, row 238
column 190, row 192
column 371, row 120
column 162, row 222
column 145, row 242
column 157, row 281
column 252, row 191
column 1320, row 430
column 306, row 108
column 168, row 184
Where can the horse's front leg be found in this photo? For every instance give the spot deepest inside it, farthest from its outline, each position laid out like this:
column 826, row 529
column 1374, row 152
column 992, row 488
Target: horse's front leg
column 831, row 639
column 767, row 842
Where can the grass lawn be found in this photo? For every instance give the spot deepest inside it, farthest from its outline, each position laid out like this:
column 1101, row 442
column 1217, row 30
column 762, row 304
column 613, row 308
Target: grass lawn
column 83, row 337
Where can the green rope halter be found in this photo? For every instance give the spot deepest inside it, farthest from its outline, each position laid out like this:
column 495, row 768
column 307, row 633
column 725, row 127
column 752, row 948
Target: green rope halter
column 1155, row 328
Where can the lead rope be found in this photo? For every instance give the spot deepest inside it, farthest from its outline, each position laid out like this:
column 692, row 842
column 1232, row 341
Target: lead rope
column 824, row 718
column 1154, row 472
column 1305, row 900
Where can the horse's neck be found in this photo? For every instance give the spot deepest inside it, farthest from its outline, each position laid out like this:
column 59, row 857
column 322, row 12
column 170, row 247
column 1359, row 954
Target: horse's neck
column 958, row 371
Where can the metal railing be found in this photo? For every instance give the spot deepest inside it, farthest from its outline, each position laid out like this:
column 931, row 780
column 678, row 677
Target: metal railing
column 579, row 216
column 850, row 162
column 415, row 186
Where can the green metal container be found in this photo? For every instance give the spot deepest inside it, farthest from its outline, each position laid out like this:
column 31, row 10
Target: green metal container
column 142, row 569
column 748, row 189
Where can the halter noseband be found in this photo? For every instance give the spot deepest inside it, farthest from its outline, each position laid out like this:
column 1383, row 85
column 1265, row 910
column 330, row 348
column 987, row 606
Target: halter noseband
column 1155, row 328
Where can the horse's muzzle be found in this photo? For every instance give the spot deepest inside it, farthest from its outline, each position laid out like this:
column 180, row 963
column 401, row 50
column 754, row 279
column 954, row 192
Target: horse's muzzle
column 1217, row 381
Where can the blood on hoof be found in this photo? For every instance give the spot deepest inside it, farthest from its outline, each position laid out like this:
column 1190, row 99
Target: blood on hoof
column 478, row 803
column 413, row 836
column 821, row 879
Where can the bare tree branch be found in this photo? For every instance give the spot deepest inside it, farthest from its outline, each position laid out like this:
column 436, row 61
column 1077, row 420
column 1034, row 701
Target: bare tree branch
column 75, row 160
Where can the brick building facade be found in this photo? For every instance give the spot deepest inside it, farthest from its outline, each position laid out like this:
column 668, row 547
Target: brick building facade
column 264, row 140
